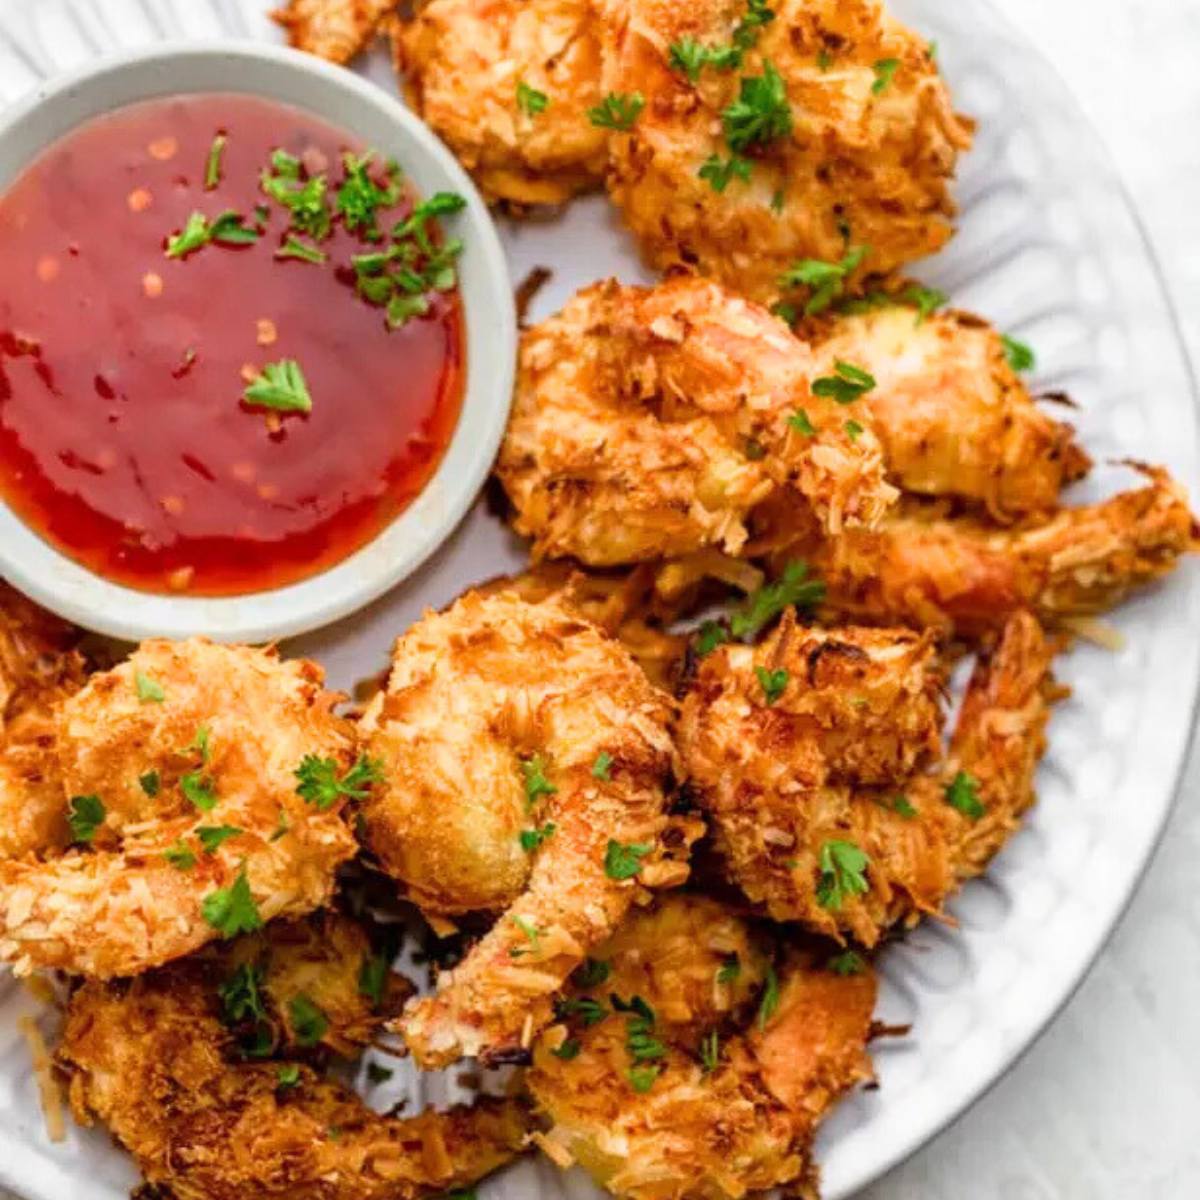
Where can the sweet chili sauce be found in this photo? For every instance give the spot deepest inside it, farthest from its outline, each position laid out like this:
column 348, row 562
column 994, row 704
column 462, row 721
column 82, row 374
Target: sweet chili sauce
column 125, row 440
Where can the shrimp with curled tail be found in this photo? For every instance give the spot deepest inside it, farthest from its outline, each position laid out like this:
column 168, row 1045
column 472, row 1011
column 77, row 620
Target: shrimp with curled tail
column 171, row 1064
column 525, row 755
column 180, row 773
column 689, row 1064
column 652, row 422
column 817, row 754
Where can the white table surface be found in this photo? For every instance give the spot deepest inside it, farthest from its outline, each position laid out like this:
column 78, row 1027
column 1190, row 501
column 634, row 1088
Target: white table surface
column 1106, row 1106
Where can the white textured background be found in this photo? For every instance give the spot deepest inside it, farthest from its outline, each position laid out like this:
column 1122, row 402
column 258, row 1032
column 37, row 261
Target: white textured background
column 1106, row 1106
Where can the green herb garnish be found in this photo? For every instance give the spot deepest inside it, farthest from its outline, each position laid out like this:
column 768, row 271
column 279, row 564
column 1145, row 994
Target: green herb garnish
column 281, row 387
column 617, row 111
column 149, row 691
column 85, row 816
column 232, row 910
column 530, row 101
column 847, row 383
column 843, row 874
column 624, row 862
column 320, row 785
column 962, row 794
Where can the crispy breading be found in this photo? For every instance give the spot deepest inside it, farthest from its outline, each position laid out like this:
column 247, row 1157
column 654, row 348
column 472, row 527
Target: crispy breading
column 333, row 29
column 953, row 416
column 651, row 422
column 153, row 1060
column 508, row 85
column 847, row 761
column 503, row 717
column 181, row 737
column 926, row 569
column 39, row 667
column 865, row 161
column 742, row 1121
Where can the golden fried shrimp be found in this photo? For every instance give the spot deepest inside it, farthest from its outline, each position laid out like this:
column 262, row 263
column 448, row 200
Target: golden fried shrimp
column 525, row 756
column 825, row 807
column 333, row 29
column 684, row 1092
column 204, row 786
column 828, row 130
column 652, row 421
column 925, row 569
column 508, row 84
column 162, row 1061
column 38, row 668
column 953, row 416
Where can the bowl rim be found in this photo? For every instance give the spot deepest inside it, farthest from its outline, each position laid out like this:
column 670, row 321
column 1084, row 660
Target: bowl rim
column 61, row 584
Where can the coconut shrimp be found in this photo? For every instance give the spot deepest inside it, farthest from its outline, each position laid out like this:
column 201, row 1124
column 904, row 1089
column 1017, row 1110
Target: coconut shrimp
column 334, row 29
column 651, row 422
column 509, row 85
column 787, row 148
column 924, row 568
column 953, row 416
column 174, row 1064
column 39, row 667
column 204, row 787
column 817, row 755
column 689, row 1065
column 526, row 755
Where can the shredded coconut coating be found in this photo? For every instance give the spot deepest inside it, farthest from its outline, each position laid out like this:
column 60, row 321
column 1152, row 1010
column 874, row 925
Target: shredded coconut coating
column 463, row 62
column 478, row 695
column 118, row 906
column 652, row 422
column 741, row 1124
column 864, row 164
column 334, row 29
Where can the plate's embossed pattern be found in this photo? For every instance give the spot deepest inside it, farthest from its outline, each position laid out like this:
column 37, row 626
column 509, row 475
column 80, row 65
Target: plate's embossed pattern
column 1050, row 250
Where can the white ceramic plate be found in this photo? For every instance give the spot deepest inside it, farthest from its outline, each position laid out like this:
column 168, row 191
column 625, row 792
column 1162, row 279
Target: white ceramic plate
column 1050, row 249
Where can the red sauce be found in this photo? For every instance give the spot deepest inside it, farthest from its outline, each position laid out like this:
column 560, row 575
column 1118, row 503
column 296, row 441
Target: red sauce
column 124, row 439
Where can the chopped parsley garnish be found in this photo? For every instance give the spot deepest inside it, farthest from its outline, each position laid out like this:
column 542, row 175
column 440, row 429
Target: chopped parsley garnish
column 373, row 977
column 853, row 430
column 191, row 237
column 590, row 1012
column 536, row 784
column 904, row 807
column 241, row 995
column 1020, row 355
column 719, row 172
column 617, row 111
column 228, row 229
column 281, row 826
column 532, row 934
column 963, row 795
column 800, row 422
column 843, row 874
column 729, row 970
column 287, row 1076
column 440, row 204
column 885, row 71
column 690, row 57
column 149, row 691
column 826, row 280
column 85, row 816
column 624, row 862
column 792, row 589
column 232, row 910
column 200, row 790
column 847, row 383
column 849, row 962
column 212, row 167
column 200, row 744
column 377, row 1073
column 769, row 1004
column 180, row 856
column 213, row 837
column 281, row 386
column 293, row 247
column 150, row 783
column 567, row 1049
column 360, row 198
column 309, row 1023
column 530, row 101
column 773, row 683
column 710, row 1052
column 641, row 1079
column 709, row 636
column 319, row 784
column 926, row 300
column 761, row 112
column 640, row 1041
column 593, row 973
column 602, row 767
column 307, row 200
column 532, row 839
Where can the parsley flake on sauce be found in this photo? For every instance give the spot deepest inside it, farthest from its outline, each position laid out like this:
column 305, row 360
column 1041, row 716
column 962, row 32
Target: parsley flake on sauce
column 281, row 387
column 212, row 166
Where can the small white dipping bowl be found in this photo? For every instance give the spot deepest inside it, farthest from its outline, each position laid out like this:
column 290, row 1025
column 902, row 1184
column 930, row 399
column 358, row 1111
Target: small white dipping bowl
column 363, row 109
